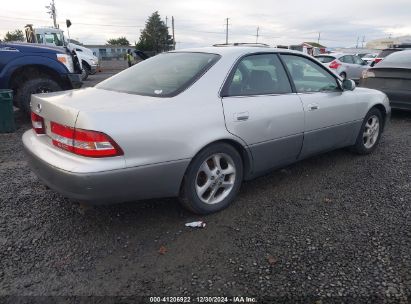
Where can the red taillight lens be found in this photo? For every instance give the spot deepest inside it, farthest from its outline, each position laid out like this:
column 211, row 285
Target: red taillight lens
column 376, row 60
column 84, row 142
column 37, row 123
column 334, row 65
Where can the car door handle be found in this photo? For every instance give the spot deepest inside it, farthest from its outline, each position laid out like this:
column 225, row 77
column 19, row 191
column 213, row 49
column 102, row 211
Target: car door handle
column 313, row 107
column 241, row 116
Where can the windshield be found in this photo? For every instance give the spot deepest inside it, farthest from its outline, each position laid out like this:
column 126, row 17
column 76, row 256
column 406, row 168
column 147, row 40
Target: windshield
column 325, row 59
column 164, row 75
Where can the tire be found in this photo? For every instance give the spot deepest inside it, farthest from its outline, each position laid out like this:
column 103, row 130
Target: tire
column 34, row 86
column 84, row 73
column 370, row 132
column 343, row 75
column 215, row 196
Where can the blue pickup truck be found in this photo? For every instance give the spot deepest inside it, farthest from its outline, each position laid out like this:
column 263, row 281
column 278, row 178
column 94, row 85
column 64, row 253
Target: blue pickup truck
column 29, row 69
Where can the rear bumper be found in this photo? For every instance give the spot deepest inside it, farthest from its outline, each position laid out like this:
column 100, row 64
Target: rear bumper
column 114, row 186
column 399, row 99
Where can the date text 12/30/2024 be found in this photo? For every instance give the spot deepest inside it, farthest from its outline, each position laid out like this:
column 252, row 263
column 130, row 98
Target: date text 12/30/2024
column 202, row 300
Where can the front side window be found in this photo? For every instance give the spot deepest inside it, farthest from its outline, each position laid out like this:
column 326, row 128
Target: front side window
column 164, row 75
column 346, row 59
column 309, row 76
column 260, row 74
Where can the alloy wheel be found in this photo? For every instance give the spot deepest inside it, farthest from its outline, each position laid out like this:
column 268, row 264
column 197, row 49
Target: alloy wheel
column 215, row 178
column 371, row 131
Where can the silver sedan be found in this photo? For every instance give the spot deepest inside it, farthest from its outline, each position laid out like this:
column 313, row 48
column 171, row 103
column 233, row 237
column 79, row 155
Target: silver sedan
column 345, row 65
column 195, row 124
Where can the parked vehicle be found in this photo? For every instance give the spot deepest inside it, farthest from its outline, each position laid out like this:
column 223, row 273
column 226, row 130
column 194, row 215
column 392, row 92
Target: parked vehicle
column 28, row 69
column 89, row 62
column 344, row 65
column 368, row 58
column 195, row 124
column 384, row 53
column 55, row 37
column 393, row 77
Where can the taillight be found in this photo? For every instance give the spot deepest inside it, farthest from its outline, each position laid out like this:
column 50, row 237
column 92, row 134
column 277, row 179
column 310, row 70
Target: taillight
column 84, row 142
column 37, row 123
column 376, row 60
column 334, row 65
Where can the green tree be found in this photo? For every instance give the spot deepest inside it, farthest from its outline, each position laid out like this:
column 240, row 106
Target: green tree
column 118, row 41
column 16, row 35
column 155, row 36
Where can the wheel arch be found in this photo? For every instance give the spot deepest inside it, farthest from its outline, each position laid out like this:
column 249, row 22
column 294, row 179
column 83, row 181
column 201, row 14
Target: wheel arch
column 27, row 72
column 383, row 111
column 85, row 63
column 245, row 155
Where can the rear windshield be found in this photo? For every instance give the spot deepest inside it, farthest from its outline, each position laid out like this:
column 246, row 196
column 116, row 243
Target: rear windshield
column 385, row 53
column 164, row 75
column 325, row 59
column 402, row 58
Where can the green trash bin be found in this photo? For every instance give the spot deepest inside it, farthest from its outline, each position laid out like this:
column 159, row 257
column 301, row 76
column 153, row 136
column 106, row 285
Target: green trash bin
column 6, row 112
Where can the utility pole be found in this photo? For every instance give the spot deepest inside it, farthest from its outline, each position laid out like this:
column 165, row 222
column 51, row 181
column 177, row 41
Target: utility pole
column 358, row 39
column 362, row 42
column 52, row 12
column 172, row 28
column 166, row 45
column 226, row 31
column 256, row 39
column 319, row 37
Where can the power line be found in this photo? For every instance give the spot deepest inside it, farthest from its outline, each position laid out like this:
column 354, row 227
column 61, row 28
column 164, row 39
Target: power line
column 79, row 23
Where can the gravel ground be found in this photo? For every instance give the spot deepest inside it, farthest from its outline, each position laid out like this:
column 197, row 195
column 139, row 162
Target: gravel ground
column 336, row 226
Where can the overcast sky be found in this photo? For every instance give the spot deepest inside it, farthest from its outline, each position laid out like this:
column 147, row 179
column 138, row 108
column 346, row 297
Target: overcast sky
column 201, row 22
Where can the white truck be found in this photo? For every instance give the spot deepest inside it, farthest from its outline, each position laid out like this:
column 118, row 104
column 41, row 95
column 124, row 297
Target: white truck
column 55, row 37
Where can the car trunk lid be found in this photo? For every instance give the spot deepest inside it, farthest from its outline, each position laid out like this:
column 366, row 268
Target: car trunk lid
column 388, row 78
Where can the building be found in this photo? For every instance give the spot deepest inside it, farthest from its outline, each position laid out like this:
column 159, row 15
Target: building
column 310, row 48
column 109, row 52
column 384, row 43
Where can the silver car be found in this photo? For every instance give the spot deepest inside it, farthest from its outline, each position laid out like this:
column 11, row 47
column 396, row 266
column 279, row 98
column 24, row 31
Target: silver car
column 345, row 65
column 195, row 124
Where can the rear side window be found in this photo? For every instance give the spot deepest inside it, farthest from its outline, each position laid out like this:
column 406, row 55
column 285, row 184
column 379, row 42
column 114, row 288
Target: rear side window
column 309, row 76
column 260, row 74
column 347, row 59
column 358, row 60
column 164, row 75
column 325, row 59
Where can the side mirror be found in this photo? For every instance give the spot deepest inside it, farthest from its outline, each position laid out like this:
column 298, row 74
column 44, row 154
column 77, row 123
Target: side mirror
column 348, row 85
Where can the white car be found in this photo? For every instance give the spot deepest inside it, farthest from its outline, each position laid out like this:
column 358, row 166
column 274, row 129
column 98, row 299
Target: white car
column 345, row 65
column 369, row 57
column 89, row 62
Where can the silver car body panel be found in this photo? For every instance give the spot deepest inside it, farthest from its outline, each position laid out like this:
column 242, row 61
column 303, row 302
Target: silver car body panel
column 277, row 141
column 160, row 136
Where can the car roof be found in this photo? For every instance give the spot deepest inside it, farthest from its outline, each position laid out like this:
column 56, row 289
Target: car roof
column 236, row 50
